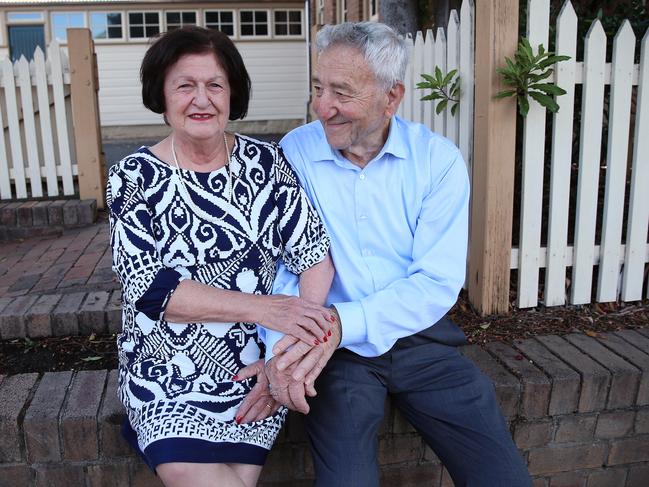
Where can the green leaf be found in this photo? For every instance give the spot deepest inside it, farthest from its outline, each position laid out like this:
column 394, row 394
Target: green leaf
column 454, row 108
column 449, row 76
column 538, row 77
column 552, row 60
column 504, row 94
column 550, row 88
column 545, row 101
column 455, row 89
column 441, row 106
column 432, row 96
column 428, row 77
column 92, row 359
column 526, row 50
column 439, row 77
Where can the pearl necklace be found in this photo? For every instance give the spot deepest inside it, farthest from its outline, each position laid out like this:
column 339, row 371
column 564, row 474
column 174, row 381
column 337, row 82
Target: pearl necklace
column 182, row 181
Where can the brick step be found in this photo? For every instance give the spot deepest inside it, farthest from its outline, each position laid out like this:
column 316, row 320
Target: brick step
column 577, row 407
column 24, row 219
column 72, row 313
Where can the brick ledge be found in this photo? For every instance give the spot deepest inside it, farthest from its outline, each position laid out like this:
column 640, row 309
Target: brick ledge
column 578, row 408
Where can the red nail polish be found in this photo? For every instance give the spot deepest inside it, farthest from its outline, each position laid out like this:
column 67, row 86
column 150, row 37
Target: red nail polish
column 332, row 318
column 238, row 419
column 324, row 338
column 316, row 342
column 329, row 333
column 235, row 377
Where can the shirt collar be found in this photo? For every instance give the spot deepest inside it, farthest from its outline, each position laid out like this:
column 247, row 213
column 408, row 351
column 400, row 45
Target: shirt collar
column 394, row 145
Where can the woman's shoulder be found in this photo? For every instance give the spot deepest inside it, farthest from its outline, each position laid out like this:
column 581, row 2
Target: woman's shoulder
column 247, row 142
column 140, row 165
column 265, row 153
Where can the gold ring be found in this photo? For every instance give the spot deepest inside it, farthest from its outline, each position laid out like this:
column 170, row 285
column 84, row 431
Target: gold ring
column 269, row 406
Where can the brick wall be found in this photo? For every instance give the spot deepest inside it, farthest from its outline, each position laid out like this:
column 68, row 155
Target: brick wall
column 22, row 219
column 578, row 407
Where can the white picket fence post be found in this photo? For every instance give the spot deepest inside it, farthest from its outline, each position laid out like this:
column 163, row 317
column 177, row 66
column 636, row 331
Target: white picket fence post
column 620, row 266
column 532, row 177
column 446, row 51
column 638, row 219
column 41, row 161
column 561, row 160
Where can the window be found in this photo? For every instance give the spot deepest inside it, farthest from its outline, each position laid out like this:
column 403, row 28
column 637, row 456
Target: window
column 142, row 25
column 253, row 23
column 319, row 16
column 288, row 22
column 64, row 20
column 176, row 20
column 24, row 17
column 341, row 11
column 106, row 25
column 222, row 20
column 372, row 11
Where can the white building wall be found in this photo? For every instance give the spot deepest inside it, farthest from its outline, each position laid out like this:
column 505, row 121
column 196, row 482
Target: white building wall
column 278, row 70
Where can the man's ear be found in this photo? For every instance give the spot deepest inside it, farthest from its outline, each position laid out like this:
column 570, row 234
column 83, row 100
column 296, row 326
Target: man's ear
column 395, row 95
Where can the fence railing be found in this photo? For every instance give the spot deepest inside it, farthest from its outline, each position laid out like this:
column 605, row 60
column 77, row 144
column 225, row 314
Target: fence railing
column 448, row 50
column 36, row 146
column 620, row 257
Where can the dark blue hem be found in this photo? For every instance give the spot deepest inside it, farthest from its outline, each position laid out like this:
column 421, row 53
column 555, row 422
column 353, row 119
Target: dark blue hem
column 193, row 450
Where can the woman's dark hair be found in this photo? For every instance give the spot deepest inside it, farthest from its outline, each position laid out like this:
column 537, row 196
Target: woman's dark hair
column 170, row 46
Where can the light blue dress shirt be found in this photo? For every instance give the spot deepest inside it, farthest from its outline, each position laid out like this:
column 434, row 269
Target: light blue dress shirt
column 398, row 231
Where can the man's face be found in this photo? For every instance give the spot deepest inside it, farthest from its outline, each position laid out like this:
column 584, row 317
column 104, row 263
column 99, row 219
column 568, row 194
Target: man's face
column 353, row 109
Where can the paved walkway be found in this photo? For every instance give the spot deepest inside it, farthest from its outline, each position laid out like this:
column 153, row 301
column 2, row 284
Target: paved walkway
column 77, row 260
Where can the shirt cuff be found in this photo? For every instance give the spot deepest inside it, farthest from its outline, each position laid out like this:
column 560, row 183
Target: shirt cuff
column 270, row 338
column 352, row 321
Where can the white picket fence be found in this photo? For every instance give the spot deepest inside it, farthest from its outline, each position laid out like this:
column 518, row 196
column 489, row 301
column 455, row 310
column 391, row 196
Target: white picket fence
column 36, row 141
column 621, row 259
column 448, row 51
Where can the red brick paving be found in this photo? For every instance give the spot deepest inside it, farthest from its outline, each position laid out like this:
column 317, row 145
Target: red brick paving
column 77, row 260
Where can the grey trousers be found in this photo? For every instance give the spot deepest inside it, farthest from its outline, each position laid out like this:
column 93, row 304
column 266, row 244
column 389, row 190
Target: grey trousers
column 441, row 393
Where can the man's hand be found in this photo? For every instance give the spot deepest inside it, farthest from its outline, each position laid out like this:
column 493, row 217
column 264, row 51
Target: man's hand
column 258, row 404
column 305, row 363
column 285, row 389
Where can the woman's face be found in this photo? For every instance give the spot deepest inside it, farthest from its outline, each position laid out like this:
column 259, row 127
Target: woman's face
column 197, row 97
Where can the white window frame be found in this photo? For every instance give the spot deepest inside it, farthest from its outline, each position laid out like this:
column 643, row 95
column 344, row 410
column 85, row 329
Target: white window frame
column 372, row 16
column 84, row 15
column 319, row 13
column 235, row 17
column 40, row 20
column 5, row 22
column 341, row 11
column 269, row 23
column 288, row 24
column 108, row 39
column 144, row 12
column 181, row 12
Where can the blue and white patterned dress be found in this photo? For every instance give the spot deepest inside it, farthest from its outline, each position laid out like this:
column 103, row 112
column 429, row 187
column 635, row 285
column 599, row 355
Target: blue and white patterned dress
column 175, row 378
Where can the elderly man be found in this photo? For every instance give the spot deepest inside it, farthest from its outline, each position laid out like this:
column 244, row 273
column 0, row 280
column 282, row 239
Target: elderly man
column 394, row 198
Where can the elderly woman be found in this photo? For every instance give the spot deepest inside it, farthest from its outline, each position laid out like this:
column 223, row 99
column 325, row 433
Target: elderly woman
column 198, row 223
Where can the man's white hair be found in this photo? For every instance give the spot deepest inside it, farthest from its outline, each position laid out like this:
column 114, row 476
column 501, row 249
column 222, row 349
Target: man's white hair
column 385, row 52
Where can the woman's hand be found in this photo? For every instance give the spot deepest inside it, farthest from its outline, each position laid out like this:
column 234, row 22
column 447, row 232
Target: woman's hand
column 258, row 404
column 310, row 323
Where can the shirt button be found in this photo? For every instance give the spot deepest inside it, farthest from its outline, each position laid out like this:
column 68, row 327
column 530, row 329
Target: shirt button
column 362, row 217
column 362, row 176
